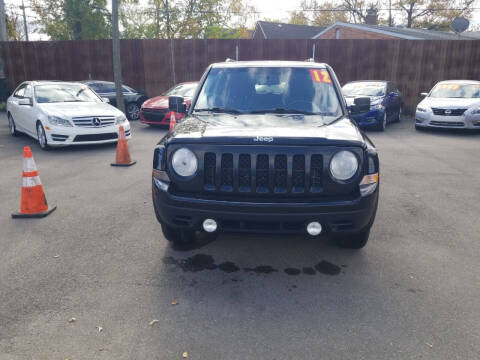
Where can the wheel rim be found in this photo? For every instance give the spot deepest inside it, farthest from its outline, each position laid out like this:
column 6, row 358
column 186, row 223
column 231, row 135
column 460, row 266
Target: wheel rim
column 41, row 136
column 133, row 111
column 11, row 125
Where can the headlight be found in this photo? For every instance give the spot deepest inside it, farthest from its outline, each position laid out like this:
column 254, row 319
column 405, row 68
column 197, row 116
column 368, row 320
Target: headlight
column 184, row 162
column 120, row 119
column 343, row 165
column 376, row 106
column 55, row 120
column 475, row 111
column 421, row 109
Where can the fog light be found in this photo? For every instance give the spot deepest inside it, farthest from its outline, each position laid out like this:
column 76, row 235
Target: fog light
column 209, row 225
column 314, row 228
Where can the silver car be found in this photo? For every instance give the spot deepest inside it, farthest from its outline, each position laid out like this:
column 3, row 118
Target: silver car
column 450, row 104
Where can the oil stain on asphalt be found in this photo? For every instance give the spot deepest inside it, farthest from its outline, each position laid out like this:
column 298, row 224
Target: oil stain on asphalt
column 201, row 262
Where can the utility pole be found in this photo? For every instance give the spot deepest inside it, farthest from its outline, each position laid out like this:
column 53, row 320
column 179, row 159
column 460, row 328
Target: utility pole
column 117, row 67
column 3, row 22
column 25, row 26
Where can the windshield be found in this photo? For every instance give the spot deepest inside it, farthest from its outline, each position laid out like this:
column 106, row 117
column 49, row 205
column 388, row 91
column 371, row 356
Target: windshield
column 53, row 93
column 270, row 90
column 185, row 90
column 368, row 88
column 446, row 90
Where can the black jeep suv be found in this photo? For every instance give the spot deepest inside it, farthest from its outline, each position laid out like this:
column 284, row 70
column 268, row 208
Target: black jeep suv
column 267, row 146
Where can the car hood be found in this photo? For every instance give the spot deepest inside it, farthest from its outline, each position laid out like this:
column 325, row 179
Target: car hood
column 265, row 129
column 79, row 109
column 449, row 103
column 160, row 102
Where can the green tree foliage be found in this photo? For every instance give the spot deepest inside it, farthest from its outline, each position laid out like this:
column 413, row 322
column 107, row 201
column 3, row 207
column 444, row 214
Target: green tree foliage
column 185, row 19
column 434, row 14
column 429, row 14
column 73, row 19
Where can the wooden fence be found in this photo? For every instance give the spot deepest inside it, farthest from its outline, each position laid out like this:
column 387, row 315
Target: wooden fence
column 154, row 65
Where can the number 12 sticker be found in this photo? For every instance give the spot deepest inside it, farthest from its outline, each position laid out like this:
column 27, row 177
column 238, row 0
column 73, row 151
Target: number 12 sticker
column 320, row 76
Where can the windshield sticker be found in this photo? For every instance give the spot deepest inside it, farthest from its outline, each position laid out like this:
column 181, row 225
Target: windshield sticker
column 320, row 76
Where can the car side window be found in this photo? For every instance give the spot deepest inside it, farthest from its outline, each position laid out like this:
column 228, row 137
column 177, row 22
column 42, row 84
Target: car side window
column 28, row 93
column 97, row 87
column 108, row 88
column 20, row 91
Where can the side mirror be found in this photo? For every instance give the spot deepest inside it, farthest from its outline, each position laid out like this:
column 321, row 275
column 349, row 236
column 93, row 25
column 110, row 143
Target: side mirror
column 176, row 104
column 361, row 105
column 105, row 100
column 25, row 101
column 423, row 94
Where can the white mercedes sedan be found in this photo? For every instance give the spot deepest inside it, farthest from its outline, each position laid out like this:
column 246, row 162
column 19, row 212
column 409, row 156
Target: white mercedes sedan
column 63, row 113
column 450, row 104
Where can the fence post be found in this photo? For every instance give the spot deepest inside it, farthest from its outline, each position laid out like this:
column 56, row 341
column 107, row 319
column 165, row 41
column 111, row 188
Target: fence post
column 313, row 51
column 236, row 52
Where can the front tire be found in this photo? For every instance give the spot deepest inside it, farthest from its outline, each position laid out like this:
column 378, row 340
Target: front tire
column 383, row 124
column 399, row 116
column 353, row 241
column 42, row 137
column 133, row 111
column 178, row 236
column 11, row 126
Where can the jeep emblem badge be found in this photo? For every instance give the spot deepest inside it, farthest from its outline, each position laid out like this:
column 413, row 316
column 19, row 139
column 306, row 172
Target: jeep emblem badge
column 263, row 138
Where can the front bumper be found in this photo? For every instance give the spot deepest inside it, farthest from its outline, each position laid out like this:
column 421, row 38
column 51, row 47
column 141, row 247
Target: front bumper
column 346, row 216
column 370, row 118
column 429, row 119
column 76, row 135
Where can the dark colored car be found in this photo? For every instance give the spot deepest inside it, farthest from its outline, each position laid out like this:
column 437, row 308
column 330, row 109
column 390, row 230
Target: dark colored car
column 155, row 111
column 385, row 102
column 133, row 98
column 267, row 146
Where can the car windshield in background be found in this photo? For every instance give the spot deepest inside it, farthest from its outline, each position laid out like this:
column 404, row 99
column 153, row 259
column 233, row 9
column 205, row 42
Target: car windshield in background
column 282, row 90
column 185, row 90
column 54, row 93
column 368, row 88
column 466, row 91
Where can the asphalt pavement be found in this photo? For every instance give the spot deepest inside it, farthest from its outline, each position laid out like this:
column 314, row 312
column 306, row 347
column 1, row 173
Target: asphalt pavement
column 89, row 281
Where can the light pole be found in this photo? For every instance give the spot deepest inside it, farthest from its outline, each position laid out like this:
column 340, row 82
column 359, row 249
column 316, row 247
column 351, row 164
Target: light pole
column 117, row 67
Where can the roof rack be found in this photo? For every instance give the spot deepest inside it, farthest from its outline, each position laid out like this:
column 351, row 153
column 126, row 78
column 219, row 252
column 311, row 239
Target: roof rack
column 229, row 60
column 310, row 60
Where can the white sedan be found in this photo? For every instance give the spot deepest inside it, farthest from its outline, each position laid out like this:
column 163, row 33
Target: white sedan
column 450, row 104
column 63, row 113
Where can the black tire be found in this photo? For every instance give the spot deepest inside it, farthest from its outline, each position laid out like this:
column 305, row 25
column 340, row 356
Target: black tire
column 353, row 241
column 41, row 134
column 133, row 111
column 178, row 236
column 383, row 124
column 12, row 126
column 419, row 128
column 399, row 115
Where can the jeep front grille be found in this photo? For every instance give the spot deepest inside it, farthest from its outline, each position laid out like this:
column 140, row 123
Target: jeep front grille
column 263, row 173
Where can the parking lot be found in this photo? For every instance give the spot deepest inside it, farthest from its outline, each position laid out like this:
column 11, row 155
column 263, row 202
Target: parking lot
column 88, row 281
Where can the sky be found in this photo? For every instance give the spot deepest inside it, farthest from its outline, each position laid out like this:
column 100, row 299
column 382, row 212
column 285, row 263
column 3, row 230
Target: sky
column 272, row 9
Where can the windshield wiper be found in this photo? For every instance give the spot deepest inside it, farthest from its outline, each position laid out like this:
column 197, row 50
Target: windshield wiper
column 283, row 111
column 219, row 110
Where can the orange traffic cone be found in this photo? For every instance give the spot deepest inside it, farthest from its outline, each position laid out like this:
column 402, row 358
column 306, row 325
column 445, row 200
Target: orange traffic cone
column 173, row 121
column 33, row 202
column 123, row 155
